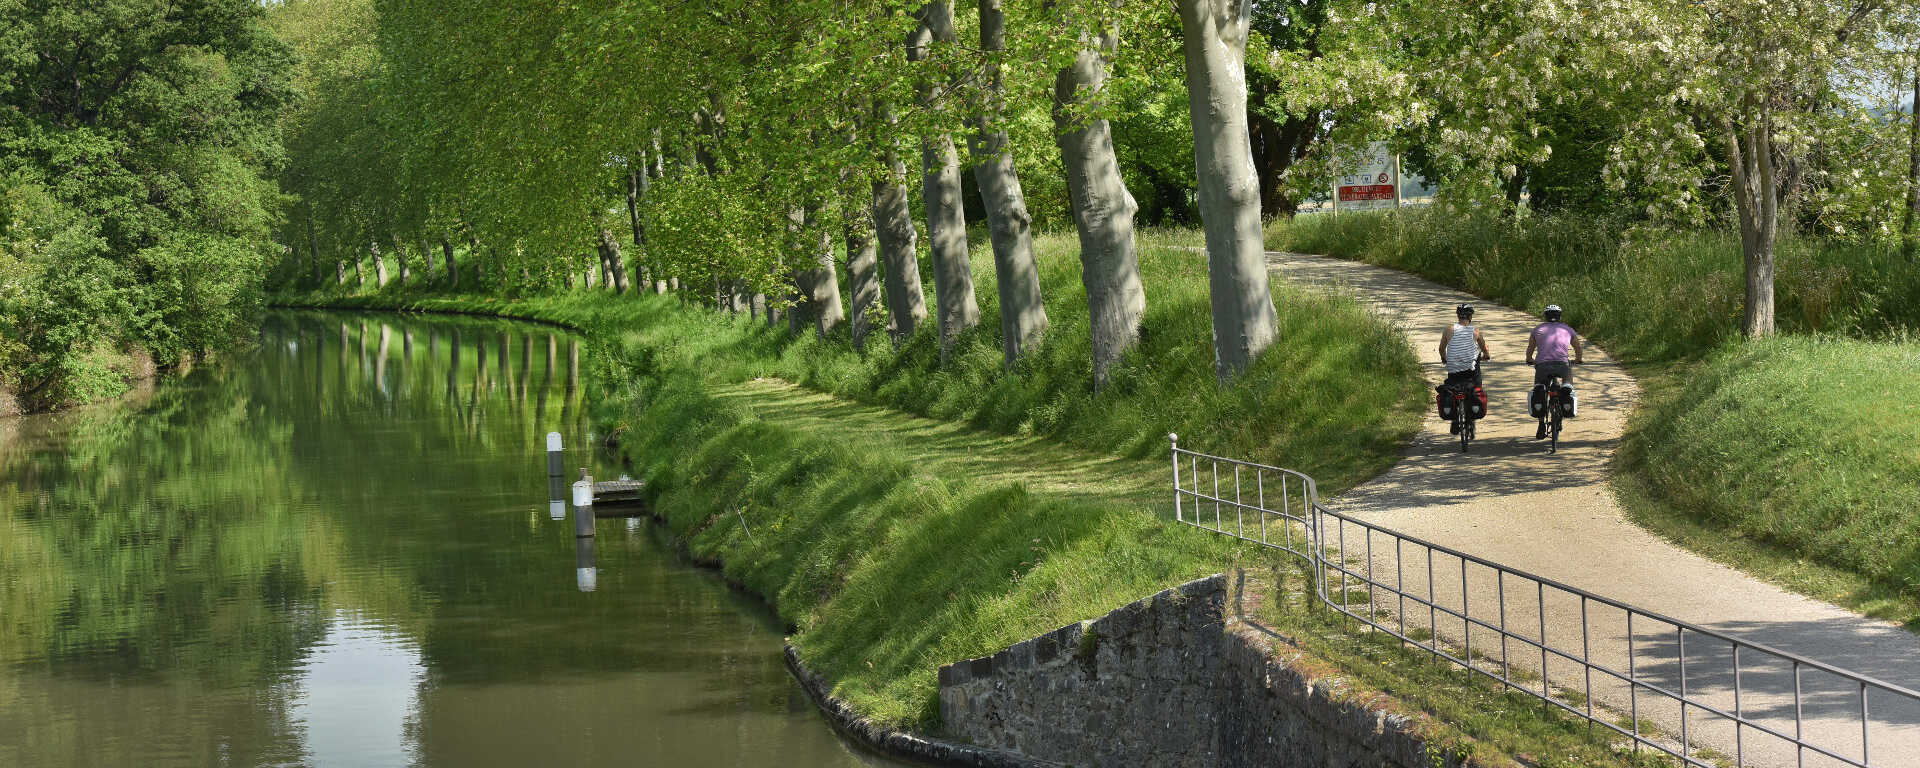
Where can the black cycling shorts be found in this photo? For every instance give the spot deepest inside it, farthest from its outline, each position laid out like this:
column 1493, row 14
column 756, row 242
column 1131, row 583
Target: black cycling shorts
column 1461, row 376
column 1542, row 371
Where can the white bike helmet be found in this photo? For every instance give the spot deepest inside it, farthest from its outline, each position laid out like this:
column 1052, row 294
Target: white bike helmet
column 1553, row 313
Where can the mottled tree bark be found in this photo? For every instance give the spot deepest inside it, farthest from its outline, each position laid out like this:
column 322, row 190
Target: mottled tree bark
column 379, row 265
column 863, row 270
column 313, row 249
column 893, row 229
column 453, row 269
column 816, row 289
column 1215, row 42
column 340, row 270
column 400, row 256
column 359, row 274
column 636, row 192
column 940, row 188
column 1910, row 242
column 1023, row 317
column 610, row 253
column 1750, row 155
column 1102, row 208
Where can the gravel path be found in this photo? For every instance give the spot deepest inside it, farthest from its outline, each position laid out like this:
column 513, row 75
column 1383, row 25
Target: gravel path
column 1553, row 515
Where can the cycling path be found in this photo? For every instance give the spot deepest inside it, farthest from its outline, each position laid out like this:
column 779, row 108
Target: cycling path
column 1553, row 515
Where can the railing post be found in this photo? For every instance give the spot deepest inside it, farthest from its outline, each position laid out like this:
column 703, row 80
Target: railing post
column 1174, row 441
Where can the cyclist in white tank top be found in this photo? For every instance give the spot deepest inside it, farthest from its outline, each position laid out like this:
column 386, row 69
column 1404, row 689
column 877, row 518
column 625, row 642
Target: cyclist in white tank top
column 1462, row 347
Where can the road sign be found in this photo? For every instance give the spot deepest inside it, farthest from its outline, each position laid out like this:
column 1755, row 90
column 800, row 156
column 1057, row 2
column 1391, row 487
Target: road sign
column 1370, row 181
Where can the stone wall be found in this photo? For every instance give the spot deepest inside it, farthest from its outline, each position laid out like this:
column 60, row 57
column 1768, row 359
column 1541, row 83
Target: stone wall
column 1171, row 681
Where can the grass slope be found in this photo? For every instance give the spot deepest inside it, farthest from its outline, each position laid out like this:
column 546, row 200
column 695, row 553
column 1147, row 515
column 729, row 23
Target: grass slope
column 1790, row 458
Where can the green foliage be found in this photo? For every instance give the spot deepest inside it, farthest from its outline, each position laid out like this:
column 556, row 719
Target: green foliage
column 134, row 148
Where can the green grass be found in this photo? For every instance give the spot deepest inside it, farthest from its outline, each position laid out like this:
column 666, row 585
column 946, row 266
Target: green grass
column 1804, row 446
column 895, row 544
column 1789, row 458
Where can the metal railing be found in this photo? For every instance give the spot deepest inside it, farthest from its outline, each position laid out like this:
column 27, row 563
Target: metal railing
column 1663, row 684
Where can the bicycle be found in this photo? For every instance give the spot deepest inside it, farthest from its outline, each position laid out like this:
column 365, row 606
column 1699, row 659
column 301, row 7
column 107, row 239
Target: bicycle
column 1462, row 421
column 1558, row 406
column 1464, row 398
column 1552, row 418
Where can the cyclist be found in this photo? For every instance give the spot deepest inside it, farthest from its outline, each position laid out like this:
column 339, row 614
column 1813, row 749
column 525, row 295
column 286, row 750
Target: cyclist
column 1547, row 348
column 1462, row 348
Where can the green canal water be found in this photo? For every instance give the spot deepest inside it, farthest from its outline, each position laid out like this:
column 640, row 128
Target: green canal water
column 335, row 549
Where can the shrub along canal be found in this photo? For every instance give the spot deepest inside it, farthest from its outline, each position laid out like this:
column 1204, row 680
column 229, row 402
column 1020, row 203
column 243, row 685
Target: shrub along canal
column 334, row 549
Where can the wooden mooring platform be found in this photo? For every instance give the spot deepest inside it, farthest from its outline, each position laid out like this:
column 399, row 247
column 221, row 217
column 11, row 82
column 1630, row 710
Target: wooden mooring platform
column 617, row 498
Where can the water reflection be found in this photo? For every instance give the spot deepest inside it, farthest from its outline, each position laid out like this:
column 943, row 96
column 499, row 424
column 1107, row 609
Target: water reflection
column 331, row 550
column 585, row 573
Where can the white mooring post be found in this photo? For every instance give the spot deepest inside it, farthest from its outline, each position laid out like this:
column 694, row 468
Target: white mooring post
column 583, row 504
column 1173, row 440
column 556, row 485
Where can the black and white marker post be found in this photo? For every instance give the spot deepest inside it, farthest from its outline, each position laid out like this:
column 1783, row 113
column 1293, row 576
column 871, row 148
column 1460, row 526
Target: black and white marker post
column 556, row 485
column 583, row 504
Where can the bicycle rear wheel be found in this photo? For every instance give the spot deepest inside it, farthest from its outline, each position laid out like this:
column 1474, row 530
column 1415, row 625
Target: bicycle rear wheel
column 1553, row 430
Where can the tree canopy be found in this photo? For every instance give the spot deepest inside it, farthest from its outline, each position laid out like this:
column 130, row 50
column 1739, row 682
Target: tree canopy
column 138, row 145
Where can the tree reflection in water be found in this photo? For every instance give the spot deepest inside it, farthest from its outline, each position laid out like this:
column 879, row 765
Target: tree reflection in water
column 190, row 580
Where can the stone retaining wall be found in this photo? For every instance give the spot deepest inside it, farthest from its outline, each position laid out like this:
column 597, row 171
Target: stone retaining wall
column 1171, row 681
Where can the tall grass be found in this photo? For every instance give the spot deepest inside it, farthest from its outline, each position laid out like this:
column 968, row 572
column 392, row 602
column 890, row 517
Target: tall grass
column 1651, row 295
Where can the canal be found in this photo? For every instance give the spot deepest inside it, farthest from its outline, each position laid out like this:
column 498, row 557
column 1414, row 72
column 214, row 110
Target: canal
column 334, row 548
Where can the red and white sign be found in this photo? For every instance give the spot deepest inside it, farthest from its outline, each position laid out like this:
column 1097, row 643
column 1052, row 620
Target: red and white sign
column 1368, row 181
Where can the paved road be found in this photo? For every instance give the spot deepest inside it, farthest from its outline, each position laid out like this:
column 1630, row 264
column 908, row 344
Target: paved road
column 1510, row 502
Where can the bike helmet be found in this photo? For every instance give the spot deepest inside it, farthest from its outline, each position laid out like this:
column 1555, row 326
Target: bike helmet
column 1553, row 313
column 1464, row 310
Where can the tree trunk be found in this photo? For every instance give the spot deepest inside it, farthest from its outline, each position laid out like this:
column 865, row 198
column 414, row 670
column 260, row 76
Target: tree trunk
column 863, row 270
column 426, row 260
column 400, row 255
column 1023, row 317
column 1277, row 145
column 359, row 274
column 610, row 251
column 453, row 269
column 893, row 228
column 340, row 270
column 313, row 248
column 1244, row 321
column 636, row 190
column 1102, row 209
column 940, row 188
column 816, row 289
column 1910, row 243
column 1750, row 156
column 379, row 265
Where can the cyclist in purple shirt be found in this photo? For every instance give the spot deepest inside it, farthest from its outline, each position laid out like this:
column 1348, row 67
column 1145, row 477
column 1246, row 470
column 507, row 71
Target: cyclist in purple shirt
column 1547, row 349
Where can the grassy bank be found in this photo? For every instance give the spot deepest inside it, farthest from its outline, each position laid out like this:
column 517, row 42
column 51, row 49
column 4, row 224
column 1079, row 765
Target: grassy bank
column 1301, row 405
column 893, row 543
column 1789, row 458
